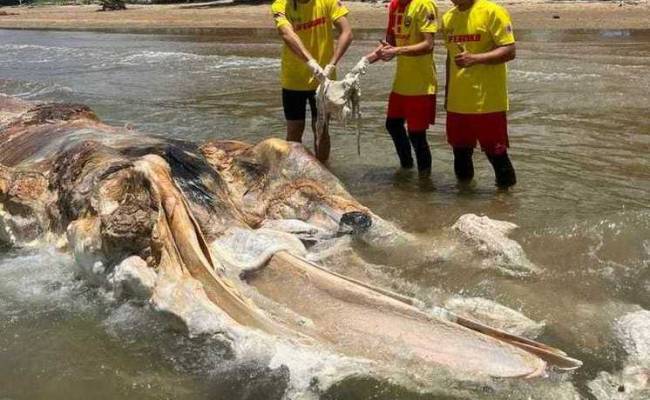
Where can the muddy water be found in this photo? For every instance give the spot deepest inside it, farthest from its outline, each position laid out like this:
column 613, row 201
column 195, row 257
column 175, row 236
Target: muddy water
column 580, row 135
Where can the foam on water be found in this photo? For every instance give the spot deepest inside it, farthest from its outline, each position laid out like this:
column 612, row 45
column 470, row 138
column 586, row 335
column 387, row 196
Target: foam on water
column 39, row 281
column 43, row 282
column 40, row 54
column 214, row 62
column 541, row 76
column 33, row 90
column 19, row 47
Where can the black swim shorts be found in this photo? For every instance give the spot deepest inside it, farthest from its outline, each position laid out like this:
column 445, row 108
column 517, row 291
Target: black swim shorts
column 295, row 104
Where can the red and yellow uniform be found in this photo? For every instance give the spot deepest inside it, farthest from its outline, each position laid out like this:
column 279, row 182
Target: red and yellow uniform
column 481, row 88
column 408, row 20
column 415, row 84
column 477, row 96
column 312, row 21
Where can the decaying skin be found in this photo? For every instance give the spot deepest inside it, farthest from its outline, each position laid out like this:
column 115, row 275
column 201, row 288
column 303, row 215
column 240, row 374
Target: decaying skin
column 112, row 195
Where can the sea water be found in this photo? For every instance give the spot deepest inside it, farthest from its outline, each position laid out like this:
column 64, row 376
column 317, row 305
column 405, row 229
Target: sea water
column 580, row 139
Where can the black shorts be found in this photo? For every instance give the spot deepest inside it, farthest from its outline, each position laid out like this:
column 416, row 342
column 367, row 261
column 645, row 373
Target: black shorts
column 295, row 104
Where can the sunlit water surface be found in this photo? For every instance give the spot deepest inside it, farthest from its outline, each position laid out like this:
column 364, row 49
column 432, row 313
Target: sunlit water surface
column 580, row 135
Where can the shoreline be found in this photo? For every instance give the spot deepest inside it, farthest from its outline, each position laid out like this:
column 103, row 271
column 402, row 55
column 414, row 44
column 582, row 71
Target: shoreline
column 263, row 33
column 528, row 15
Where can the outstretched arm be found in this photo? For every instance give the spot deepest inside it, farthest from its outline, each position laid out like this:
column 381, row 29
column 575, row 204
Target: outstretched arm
column 294, row 43
column 374, row 55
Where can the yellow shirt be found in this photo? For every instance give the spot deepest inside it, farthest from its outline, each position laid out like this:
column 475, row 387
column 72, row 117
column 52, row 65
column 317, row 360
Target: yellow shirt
column 415, row 75
column 480, row 88
column 312, row 22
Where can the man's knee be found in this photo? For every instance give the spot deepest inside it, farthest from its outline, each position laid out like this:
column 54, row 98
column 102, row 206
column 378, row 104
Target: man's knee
column 463, row 164
column 422, row 152
column 418, row 139
column 394, row 124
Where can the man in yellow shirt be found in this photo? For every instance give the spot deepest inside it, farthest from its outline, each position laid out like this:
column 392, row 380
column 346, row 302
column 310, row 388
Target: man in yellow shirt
column 308, row 57
column 480, row 41
column 409, row 36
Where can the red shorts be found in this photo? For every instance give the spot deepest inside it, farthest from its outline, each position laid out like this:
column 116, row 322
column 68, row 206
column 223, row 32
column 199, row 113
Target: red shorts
column 490, row 130
column 418, row 111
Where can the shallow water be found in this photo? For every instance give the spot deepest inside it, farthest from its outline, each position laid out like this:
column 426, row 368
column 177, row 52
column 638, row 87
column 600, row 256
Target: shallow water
column 580, row 135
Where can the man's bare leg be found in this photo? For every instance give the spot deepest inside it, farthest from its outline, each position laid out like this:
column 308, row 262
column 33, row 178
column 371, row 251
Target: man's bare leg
column 295, row 130
column 322, row 143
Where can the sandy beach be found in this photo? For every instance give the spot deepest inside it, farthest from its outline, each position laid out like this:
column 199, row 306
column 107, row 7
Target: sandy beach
column 177, row 18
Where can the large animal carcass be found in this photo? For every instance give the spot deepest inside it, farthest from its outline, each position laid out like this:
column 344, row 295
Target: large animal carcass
column 217, row 231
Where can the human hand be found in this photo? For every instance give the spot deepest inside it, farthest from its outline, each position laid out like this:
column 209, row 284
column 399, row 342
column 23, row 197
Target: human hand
column 465, row 59
column 316, row 70
column 329, row 69
column 373, row 56
column 387, row 51
column 361, row 65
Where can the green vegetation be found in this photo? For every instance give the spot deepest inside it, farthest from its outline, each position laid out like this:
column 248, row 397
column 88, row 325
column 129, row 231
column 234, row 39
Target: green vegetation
column 45, row 2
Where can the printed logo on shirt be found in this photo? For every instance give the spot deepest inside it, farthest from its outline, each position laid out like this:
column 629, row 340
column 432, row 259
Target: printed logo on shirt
column 464, row 38
column 310, row 24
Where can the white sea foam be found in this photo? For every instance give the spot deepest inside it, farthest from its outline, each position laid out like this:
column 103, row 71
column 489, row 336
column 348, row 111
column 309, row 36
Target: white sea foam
column 10, row 46
column 44, row 281
column 37, row 53
column 36, row 281
column 214, row 62
column 540, row 76
column 246, row 63
column 312, row 370
column 100, row 59
column 154, row 57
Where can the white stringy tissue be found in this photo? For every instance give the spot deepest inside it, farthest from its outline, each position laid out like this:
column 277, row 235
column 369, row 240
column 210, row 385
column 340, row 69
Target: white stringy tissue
column 341, row 100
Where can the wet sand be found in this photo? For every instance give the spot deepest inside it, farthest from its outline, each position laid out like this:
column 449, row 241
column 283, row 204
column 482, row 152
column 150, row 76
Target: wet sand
column 527, row 14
